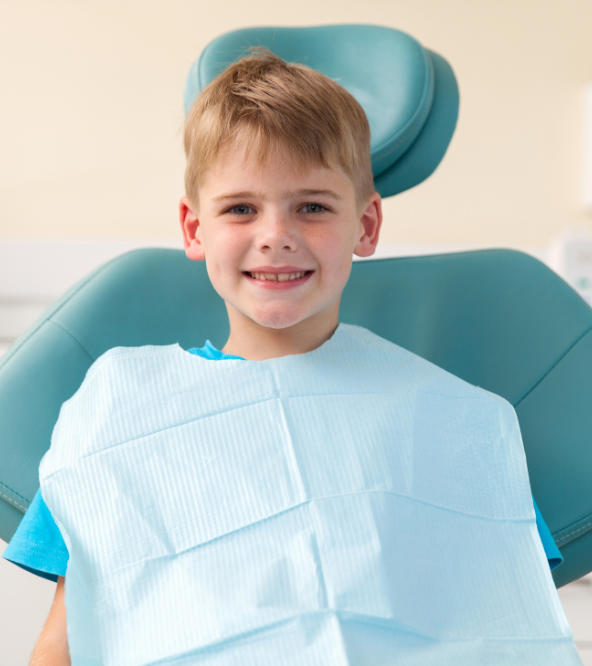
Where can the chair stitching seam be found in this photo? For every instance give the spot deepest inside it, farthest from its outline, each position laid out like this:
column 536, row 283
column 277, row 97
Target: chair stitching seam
column 563, row 537
column 553, row 366
column 11, row 500
column 74, row 338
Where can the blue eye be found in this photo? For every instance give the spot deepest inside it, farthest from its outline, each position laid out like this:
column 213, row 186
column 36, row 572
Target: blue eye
column 240, row 209
column 316, row 207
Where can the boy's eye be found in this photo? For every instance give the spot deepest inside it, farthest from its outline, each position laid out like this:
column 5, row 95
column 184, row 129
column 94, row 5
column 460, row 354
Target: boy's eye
column 240, row 209
column 314, row 208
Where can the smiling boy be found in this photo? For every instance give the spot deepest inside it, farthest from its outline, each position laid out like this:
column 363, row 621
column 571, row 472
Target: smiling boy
column 312, row 494
column 274, row 190
column 278, row 242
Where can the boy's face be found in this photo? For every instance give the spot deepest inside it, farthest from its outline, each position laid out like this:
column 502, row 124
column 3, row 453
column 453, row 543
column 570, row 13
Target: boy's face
column 255, row 220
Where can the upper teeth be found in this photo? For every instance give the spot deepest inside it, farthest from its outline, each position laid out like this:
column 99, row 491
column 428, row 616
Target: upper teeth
column 278, row 277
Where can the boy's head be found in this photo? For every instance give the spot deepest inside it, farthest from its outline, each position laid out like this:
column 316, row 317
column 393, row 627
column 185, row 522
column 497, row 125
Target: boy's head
column 273, row 103
column 279, row 195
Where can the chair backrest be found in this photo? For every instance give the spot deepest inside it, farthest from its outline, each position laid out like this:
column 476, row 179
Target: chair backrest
column 499, row 319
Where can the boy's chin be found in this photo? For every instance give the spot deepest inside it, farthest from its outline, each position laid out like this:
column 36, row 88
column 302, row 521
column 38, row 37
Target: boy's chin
column 275, row 320
column 278, row 321
column 294, row 325
column 282, row 317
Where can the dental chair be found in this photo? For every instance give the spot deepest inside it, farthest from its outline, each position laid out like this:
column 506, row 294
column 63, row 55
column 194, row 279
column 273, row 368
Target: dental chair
column 497, row 318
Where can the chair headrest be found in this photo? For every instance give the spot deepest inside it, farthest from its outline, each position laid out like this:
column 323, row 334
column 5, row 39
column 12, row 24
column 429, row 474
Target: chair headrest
column 409, row 94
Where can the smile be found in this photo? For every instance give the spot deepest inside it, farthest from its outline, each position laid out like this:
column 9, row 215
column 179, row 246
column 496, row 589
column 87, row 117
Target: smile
column 278, row 280
column 277, row 277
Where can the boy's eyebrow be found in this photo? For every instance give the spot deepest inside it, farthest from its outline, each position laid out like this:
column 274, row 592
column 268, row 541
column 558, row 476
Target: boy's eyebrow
column 287, row 195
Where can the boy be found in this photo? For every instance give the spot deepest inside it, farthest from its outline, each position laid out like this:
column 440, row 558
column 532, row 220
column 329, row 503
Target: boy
column 277, row 504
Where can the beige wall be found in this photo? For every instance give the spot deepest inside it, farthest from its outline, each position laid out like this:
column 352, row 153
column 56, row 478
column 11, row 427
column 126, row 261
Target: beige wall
column 92, row 114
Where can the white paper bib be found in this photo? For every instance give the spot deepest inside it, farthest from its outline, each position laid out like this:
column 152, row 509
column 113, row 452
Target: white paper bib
column 352, row 506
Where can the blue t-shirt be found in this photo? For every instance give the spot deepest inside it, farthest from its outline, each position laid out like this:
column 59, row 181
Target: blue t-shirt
column 38, row 547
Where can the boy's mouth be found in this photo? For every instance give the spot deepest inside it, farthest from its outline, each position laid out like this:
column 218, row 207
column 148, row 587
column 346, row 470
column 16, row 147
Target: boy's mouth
column 278, row 277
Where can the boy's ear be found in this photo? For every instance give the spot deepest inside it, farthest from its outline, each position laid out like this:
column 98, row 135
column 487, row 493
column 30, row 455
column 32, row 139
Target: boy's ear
column 190, row 228
column 371, row 221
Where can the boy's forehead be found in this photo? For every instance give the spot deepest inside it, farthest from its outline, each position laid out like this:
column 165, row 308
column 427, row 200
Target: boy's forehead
column 245, row 151
column 241, row 164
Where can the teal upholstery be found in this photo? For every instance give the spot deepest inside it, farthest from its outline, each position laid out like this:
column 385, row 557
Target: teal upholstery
column 498, row 318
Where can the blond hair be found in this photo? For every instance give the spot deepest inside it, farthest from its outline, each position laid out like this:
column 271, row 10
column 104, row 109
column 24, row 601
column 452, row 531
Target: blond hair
column 275, row 103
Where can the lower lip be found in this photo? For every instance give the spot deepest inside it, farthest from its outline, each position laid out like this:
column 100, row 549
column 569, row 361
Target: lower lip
column 286, row 284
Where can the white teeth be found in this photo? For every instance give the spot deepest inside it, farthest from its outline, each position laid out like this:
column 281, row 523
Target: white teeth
column 277, row 277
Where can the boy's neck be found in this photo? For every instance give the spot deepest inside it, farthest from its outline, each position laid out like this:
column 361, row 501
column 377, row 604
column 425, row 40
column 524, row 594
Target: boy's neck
column 258, row 343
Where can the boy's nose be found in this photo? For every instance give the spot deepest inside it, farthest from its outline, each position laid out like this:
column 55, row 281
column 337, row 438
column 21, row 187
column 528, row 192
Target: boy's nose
column 276, row 233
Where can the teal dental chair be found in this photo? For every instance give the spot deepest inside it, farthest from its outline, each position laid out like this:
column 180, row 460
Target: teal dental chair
column 498, row 318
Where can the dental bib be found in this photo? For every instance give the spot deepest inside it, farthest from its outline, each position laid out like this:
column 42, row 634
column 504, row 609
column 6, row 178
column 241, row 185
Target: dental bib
column 355, row 505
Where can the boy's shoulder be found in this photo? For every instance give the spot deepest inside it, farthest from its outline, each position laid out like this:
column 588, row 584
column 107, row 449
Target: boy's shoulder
column 433, row 376
column 119, row 364
column 118, row 379
column 121, row 352
column 122, row 355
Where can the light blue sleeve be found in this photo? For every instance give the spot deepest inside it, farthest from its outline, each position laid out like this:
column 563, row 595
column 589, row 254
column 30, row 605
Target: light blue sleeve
column 37, row 544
